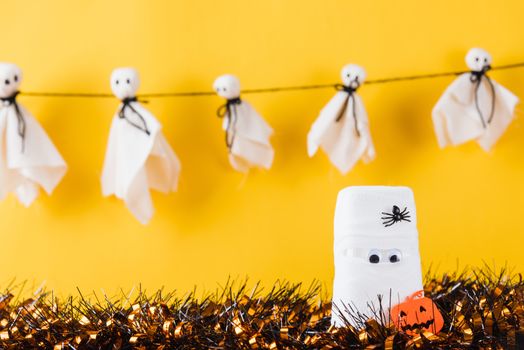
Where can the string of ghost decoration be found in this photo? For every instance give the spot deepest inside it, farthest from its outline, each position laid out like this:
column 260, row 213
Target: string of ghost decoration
column 138, row 157
column 247, row 133
column 474, row 106
column 28, row 158
column 342, row 128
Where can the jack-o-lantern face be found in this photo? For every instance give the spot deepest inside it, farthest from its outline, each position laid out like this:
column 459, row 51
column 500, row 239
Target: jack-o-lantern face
column 417, row 314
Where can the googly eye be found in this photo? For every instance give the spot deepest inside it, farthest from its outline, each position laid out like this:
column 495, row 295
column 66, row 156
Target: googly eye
column 348, row 75
column 117, row 82
column 128, row 81
column 476, row 59
column 16, row 78
column 7, row 82
column 394, row 256
column 374, row 256
column 485, row 59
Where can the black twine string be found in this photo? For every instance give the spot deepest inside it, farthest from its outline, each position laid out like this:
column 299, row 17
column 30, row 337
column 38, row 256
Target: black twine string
column 476, row 78
column 264, row 90
column 229, row 111
column 349, row 96
column 11, row 101
column 126, row 104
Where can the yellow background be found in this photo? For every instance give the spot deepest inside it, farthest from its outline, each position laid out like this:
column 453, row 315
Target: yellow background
column 268, row 225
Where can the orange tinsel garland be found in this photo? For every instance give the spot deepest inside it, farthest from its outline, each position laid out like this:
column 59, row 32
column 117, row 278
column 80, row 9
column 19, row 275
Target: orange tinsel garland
column 481, row 309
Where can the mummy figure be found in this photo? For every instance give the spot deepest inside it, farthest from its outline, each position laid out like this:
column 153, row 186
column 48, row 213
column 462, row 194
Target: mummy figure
column 28, row 158
column 342, row 128
column 138, row 156
column 247, row 133
column 474, row 106
column 377, row 261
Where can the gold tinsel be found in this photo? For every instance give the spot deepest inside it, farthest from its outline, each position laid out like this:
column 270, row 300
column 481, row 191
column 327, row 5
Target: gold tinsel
column 481, row 309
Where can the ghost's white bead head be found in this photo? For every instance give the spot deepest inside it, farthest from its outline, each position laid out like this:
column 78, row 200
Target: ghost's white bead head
column 353, row 75
column 227, row 86
column 125, row 82
column 10, row 79
column 477, row 59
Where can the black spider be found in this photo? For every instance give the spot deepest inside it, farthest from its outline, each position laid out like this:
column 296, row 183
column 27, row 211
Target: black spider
column 397, row 216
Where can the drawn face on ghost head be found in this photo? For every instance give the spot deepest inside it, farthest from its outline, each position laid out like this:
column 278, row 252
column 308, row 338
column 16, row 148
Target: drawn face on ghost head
column 227, row 86
column 10, row 78
column 477, row 59
column 353, row 75
column 124, row 82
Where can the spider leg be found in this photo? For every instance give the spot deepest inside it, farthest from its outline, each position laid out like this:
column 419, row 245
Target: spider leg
column 389, row 214
column 391, row 223
column 388, row 221
column 406, row 216
column 404, row 211
column 387, row 218
column 407, row 220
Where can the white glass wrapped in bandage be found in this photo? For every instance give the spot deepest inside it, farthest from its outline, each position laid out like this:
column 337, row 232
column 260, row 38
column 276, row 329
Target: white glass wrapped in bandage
column 376, row 251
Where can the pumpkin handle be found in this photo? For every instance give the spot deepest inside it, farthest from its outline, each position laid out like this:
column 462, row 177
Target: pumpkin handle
column 417, row 295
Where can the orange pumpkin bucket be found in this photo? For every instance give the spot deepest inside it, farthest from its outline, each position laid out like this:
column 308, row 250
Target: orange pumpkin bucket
column 417, row 314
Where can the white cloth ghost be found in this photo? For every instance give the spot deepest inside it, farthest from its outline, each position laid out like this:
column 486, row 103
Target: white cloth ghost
column 474, row 106
column 28, row 158
column 247, row 133
column 342, row 128
column 376, row 251
column 138, row 156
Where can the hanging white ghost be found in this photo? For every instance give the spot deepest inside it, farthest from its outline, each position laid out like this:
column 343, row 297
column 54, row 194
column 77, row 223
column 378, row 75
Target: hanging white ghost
column 474, row 106
column 377, row 261
column 342, row 128
column 28, row 158
column 247, row 133
column 138, row 156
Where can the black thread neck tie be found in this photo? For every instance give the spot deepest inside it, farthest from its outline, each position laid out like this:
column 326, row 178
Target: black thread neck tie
column 11, row 101
column 229, row 111
column 350, row 96
column 476, row 78
column 126, row 104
